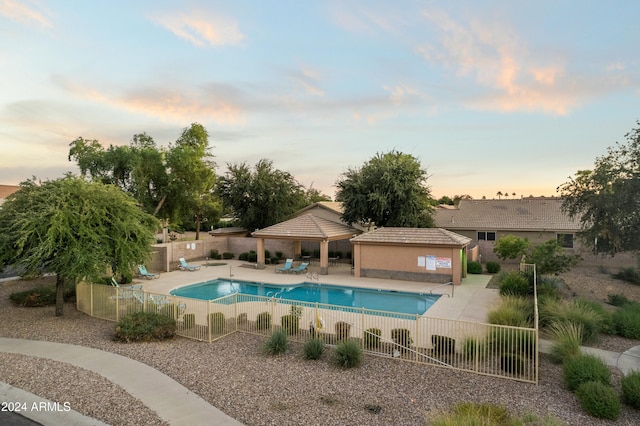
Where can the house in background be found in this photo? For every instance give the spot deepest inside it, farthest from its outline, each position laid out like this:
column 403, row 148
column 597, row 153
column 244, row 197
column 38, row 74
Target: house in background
column 539, row 219
column 6, row 190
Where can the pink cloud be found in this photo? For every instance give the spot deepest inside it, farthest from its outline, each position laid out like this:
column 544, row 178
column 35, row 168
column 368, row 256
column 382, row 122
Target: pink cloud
column 201, row 28
column 19, row 12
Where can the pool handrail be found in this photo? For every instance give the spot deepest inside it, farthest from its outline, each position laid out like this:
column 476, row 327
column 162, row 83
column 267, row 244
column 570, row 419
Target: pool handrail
column 442, row 285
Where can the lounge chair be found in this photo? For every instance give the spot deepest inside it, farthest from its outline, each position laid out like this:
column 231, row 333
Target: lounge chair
column 300, row 268
column 144, row 274
column 127, row 291
column 161, row 301
column 184, row 266
column 287, row 266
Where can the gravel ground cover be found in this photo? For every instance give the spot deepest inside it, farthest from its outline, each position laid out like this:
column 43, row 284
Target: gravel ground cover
column 286, row 390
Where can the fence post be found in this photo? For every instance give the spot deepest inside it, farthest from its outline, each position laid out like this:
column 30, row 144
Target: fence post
column 209, row 320
column 91, row 298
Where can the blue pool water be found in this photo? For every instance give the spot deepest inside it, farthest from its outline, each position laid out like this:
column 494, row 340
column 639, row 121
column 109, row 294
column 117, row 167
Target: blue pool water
column 382, row 300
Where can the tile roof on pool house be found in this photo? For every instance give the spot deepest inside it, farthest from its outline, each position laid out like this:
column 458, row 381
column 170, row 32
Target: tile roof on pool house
column 420, row 236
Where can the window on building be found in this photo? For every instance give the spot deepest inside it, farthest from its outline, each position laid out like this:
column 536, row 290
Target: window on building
column 565, row 240
column 486, row 236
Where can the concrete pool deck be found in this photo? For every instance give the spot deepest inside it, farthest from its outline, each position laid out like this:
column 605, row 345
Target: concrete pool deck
column 471, row 300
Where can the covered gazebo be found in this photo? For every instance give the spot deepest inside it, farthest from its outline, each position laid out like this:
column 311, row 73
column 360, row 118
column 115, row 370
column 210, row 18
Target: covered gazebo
column 307, row 227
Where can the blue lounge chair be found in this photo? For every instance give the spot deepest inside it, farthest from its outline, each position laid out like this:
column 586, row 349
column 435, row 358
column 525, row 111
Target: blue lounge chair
column 161, row 301
column 300, row 268
column 184, row 266
column 144, row 274
column 287, row 266
column 125, row 292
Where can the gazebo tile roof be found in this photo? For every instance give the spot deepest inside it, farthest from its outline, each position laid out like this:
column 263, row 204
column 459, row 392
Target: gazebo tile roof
column 307, row 227
column 419, row 236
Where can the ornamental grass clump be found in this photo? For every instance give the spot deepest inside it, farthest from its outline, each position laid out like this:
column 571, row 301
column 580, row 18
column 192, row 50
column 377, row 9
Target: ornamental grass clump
column 631, row 389
column 348, row 354
column 276, row 344
column 627, row 320
column 144, row 327
column 513, row 311
column 585, row 368
column 514, row 284
column 567, row 338
column 599, row 400
column 313, row 348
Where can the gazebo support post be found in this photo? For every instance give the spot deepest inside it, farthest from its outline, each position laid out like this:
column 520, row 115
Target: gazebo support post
column 260, row 250
column 324, row 257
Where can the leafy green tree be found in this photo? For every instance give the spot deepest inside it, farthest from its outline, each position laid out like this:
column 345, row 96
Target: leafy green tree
column 313, row 195
column 388, row 190
column 550, row 258
column 191, row 178
column 260, row 197
column 607, row 198
column 510, row 247
column 74, row 228
column 138, row 169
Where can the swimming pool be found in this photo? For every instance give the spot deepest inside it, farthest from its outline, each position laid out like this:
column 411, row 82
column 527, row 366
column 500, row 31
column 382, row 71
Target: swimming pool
column 382, row 300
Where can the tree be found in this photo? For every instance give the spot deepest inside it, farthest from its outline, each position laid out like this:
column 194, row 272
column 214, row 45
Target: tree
column 262, row 197
column 510, row 247
column 191, row 178
column 138, row 169
column 388, row 190
column 550, row 258
column 313, row 195
column 607, row 199
column 74, row 228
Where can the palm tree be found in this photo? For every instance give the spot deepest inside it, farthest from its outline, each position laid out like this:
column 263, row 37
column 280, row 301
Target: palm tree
column 499, row 194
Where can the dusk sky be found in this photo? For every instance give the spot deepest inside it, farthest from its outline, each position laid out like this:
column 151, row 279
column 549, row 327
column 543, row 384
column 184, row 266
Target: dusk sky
column 510, row 96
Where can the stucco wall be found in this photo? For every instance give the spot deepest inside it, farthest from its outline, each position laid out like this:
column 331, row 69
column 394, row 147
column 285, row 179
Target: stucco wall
column 401, row 262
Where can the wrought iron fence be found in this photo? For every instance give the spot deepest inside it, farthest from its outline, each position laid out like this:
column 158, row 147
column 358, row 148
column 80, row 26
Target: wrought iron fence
column 488, row 349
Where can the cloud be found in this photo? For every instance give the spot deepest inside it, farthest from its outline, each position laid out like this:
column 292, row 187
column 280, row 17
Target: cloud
column 309, row 80
column 498, row 60
column 201, row 28
column 24, row 14
column 172, row 103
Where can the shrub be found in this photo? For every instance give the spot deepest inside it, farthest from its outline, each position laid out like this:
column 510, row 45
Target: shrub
column 144, row 327
column 41, row 296
column 313, row 348
column 372, row 338
column 443, row 345
column 631, row 389
column 474, row 267
column 290, row 323
column 591, row 315
column 617, row 299
column 599, row 400
column 276, row 344
column 512, row 364
column 252, row 257
column 470, row 413
column 630, row 275
column 511, row 340
column 217, row 322
column 275, row 260
column 493, row 267
column 244, row 256
column 627, row 321
column 213, row 254
column 513, row 311
column 585, row 368
column 263, row 321
column 347, row 354
column 402, row 338
column 514, row 284
column 342, row 330
column 567, row 338
column 227, row 255
column 189, row 320
column 279, row 255
column 267, row 254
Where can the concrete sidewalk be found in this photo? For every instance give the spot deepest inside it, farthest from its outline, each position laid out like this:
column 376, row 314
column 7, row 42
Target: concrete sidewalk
column 172, row 402
column 626, row 361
